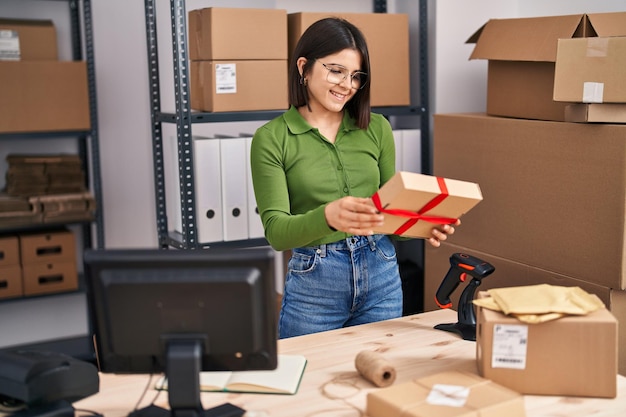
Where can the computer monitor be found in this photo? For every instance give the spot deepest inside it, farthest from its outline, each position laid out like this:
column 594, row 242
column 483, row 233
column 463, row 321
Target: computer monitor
column 181, row 312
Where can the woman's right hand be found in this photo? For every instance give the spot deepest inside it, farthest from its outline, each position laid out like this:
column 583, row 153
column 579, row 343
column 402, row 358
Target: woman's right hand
column 353, row 215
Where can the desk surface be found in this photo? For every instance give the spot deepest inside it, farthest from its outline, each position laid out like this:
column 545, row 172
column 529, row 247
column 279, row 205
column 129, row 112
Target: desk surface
column 331, row 386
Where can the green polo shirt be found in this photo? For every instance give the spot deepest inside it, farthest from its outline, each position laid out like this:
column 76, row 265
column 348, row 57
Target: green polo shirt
column 296, row 172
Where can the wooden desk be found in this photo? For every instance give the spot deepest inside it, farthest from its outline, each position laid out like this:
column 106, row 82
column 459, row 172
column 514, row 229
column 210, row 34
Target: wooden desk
column 331, row 386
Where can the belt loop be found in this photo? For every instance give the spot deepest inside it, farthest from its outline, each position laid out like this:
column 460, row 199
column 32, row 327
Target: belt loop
column 372, row 242
column 321, row 250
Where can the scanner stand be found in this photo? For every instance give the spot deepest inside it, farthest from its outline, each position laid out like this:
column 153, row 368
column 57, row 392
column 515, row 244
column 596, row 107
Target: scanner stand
column 466, row 326
column 183, row 365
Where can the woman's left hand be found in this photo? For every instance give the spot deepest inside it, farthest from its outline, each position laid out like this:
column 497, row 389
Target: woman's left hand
column 441, row 233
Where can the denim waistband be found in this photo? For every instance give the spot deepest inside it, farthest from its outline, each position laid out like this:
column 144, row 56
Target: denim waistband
column 351, row 243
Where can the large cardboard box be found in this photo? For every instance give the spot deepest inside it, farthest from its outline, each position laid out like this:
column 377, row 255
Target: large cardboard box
column 595, row 113
column 217, row 33
column 571, row 356
column 44, row 277
column 9, row 251
column 555, row 193
column 47, row 247
column 11, row 281
column 446, row 394
column 413, row 204
column 218, row 86
column 387, row 36
column 522, row 54
column 591, row 70
column 28, row 40
column 43, row 96
column 509, row 273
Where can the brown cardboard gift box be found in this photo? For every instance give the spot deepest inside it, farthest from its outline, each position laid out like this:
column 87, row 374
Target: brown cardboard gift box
column 44, row 277
column 570, row 356
column 446, row 394
column 218, row 33
column 522, row 54
column 387, row 36
column 557, row 192
column 415, row 203
column 591, row 70
column 49, row 247
column 238, row 85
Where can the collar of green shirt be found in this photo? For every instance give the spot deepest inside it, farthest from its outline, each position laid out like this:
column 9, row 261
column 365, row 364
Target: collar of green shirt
column 297, row 125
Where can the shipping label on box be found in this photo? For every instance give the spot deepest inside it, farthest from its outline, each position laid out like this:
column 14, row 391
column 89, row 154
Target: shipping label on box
column 27, row 40
column 450, row 394
column 413, row 204
column 540, row 359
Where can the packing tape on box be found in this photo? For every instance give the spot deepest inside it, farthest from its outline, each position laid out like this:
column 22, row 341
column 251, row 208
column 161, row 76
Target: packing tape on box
column 375, row 368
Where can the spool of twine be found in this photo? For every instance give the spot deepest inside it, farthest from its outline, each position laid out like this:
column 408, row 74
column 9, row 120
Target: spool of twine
column 375, row 368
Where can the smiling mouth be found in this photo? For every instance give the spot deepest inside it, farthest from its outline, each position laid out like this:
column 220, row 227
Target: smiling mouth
column 338, row 95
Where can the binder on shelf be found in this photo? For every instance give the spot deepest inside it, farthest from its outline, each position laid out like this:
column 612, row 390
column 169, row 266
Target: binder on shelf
column 397, row 138
column 172, row 184
column 411, row 150
column 208, row 189
column 255, row 225
column 234, row 190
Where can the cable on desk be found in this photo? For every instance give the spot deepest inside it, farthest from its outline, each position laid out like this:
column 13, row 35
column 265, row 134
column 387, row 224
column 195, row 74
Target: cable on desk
column 143, row 394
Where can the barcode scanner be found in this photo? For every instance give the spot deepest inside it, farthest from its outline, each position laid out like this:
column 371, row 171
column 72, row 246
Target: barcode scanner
column 462, row 266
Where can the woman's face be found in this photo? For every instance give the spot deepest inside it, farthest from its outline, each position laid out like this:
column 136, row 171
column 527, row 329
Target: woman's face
column 331, row 96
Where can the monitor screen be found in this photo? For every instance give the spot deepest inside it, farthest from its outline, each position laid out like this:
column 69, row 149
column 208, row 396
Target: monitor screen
column 168, row 310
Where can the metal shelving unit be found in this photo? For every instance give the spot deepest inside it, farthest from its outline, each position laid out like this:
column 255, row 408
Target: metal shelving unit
column 88, row 148
column 184, row 118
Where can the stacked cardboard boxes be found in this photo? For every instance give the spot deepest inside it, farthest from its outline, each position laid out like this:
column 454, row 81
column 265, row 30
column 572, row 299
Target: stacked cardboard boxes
column 10, row 270
column 238, row 59
column 554, row 191
column 48, row 262
column 39, row 93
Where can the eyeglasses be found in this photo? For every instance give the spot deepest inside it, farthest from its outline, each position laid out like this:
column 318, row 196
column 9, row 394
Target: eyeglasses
column 338, row 73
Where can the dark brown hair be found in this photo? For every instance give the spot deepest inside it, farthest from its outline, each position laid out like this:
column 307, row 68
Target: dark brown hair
column 326, row 37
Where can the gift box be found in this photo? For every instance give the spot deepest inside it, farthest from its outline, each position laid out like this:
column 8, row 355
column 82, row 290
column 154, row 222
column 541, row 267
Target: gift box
column 446, row 394
column 415, row 203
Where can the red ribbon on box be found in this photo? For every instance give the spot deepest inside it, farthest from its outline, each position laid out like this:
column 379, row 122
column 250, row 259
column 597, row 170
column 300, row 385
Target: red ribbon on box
column 414, row 217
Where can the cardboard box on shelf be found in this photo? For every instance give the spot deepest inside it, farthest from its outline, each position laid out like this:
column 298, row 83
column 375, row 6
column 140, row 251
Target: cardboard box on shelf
column 44, row 96
column 9, row 251
column 49, row 247
column 591, row 70
column 556, row 192
column 28, row 40
column 579, row 351
column 595, row 113
column 415, row 203
column 218, row 86
column 522, row 53
column 217, row 33
column 387, row 36
column 11, row 281
column 44, row 278
column 450, row 394
column 509, row 273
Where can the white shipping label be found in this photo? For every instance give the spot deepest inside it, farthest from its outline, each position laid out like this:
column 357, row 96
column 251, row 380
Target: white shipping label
column 9, row 45
column 449, row 395
column 509, row 346
column 593, row 92
column 225, row 78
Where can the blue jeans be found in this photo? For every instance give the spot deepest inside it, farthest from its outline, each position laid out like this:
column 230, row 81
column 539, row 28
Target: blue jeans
column 345, row 283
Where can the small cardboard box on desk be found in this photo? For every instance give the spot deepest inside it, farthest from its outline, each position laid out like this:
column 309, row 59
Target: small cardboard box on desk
column 415, row 203
column 446, row 394
column 575, row 355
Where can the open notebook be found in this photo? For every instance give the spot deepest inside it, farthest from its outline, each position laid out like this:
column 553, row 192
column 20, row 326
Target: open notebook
column 285, row 379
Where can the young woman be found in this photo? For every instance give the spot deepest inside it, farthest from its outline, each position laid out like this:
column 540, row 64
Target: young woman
column 314, row 169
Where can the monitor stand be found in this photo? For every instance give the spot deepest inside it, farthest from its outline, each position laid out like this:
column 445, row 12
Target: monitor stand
column 184, row 363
